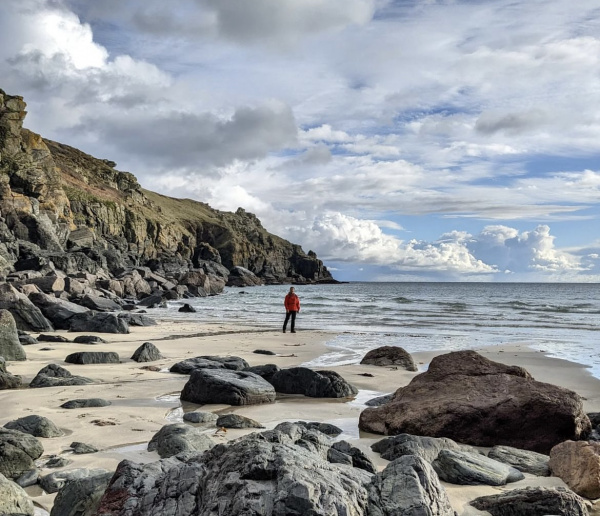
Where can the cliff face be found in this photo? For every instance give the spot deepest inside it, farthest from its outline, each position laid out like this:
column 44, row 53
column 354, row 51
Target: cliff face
column 61, row 205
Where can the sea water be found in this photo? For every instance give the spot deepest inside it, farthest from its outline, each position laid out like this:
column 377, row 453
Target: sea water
column 561, row 319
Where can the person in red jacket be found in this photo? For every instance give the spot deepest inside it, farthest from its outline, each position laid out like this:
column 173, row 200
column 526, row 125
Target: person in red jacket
column 292, row 307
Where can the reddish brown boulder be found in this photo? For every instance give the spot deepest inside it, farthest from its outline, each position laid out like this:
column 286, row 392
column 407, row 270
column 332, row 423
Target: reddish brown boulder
column 578, row 465
column 473, row 400
column 390, row 356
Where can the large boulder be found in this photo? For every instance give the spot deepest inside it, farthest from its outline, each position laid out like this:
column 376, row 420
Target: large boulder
column 278, row 472
column 53, row 482
column 147, row 352
column 92, row 357
column 80, row 497
column 38, row 426
column 215, row 386
column 428, row 448
column 93, row 322
column 18, row 451
column 8, row 380
column 28, row 317
column 57, row 310
column 523, row 460
column 578, row 465
column 178, row 438
column 137, row 319
column 316, row 384
column 54, row 375
column 14, row 499
column 390, row 356
column 209, row 362
column 408, row 486
column 10, row 345
column 483, row 403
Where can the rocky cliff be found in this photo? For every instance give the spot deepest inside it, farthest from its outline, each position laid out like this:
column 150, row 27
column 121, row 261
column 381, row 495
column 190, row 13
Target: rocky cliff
column 62, row 208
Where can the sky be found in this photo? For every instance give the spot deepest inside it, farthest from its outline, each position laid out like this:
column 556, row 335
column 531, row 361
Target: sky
column 401, row 140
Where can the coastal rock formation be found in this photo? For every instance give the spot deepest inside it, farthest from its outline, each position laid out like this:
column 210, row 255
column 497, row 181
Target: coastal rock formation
column 200, row 417
column 54, row 375
column 265, row 371
column 316, row 384
column 10, row 345
column 523, row 460
column 28, row 317
column 342, row 452
column 178, row 438
column 80, row 497
column 18, row 451
column 390, row 356
column 242, row 277
column 147, row 352
column 482, row 403
column 578, row 465
column 38, row 426
column 14, row 499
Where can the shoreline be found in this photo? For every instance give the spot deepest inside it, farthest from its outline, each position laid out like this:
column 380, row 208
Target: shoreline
column 143, row 401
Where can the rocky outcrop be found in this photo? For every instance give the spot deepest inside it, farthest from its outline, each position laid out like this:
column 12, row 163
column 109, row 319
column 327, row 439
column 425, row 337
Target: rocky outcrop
column 473, row 400
column 390, row 356
column 578, row 465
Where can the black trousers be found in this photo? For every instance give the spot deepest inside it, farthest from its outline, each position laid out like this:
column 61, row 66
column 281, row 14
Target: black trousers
column 289, row 314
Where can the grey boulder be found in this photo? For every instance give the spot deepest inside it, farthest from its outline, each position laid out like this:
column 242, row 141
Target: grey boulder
column 53, row 482
column 390, row 356
column 8, row 380
column 344, row 453
column 523, row 460
column 14, row 499
column 18, row 451
column 28, row 317
column 209, row 362
column 80, row 497
column 427, row 448
column 54, row 375
column 100, row 304
column 316, row 384
column 80, row 448
column 94, row 322
column 200, row 417
column 38, row 426
column 237, row 421
column 147, row 352
column 92, row 357
column 89, row 339
column 10, row 345
column 85, row 403
column 56, row 310
column 179, row 438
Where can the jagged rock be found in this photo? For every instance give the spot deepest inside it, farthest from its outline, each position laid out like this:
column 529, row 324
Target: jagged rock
column 147, row 352
column 29, row 478
column 279, row 472
column 100, row 304
column 264, row 352
column 89, row 339
column 57, row 310
column 38, row 426
column 137, row 319
column 92, row 322
column 17, row 452
column 390, row 356
column 53, row 482
column 187, row 308
column 533, row 501
column 200, row 417
column 93, row 357
column 80, row 448
column 152, row 300
column 49, row 284
column 344, row 453
column 242, row 277
column 54, row 375
column 266, row 371
column 325, row 428
column 27, row 316
column 421, row 492
column 85, row 403
column 52, row 338
column 8, row 380
column 427, row 448
column 179, row 438
column 229, row 387
column 27, row 340
column 379, row 400
column 482, row 403
column 80, row 497
column 465, row 468
column 523, row 460
column 14, row 499
column 578, row 465
column 209, row 362
column 316, row 384
column 237, row 421
column 10, row 346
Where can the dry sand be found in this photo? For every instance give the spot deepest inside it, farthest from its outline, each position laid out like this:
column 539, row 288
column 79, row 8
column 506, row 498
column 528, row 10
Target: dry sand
column 143, row 401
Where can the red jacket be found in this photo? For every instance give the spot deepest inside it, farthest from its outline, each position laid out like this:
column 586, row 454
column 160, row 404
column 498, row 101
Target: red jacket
column 292, row 303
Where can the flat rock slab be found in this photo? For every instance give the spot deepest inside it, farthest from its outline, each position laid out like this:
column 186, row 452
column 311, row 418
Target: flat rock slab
column 524, row 460
column 85, row 403
column 179, row 438
column 216, row 386
column 93, row 357
column 38, row 426
column 54, row 375
column 315, row 384
column 468, row 469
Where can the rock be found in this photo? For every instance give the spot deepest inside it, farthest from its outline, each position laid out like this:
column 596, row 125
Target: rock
column 187, row 308
column 427, row 448
column 80, row 497
column 483, row 403
column 38, row 426
column 137, row 319
column 344, row 453
column 92, row 322
column 241, row 277
column 265, row 371
column 14, row 499
column 280, row 472
column 236, row 421
column 325, row 428
column 82, row 448
column 57, row 461
column 53, row 482
column 92, row 357
column 200, row 417
column 321, row 384
column 533, row 501
column 28, row 317
column 100, row 304
column 523, row 460
column 52, row 338
column 17, row 452
column 379, row 400
column 27, row 340
column 264, row 352
column 390, row 356
column 10, row 345
column 229, row 387
column 209, row 362
column 29, row 478
column 408, row 486
column 56, row 310
column 48, row 284
column 85, row 403
column 89, row 339
column 467, row 469
column 54, row 375
column 147, row 352
column 8, row 380
column 179, row 438
column 152, row 300
column 578, row 465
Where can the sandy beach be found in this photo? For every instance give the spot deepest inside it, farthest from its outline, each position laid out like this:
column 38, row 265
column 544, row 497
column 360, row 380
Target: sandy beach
column 142, row 400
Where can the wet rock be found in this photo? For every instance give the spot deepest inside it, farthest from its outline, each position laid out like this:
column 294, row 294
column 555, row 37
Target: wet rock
column 179, row 438
column 14, row 499
column 80, row 497
column 53, row 482
column 427, row 448
column 467, row 469
column 83, row 448
column 523, row 460
column 147, row 352
column 89, row 339
column 321, row 384
column 533, row 501
column 38, row 426
column 482, row 403
column 92, row 357
column 325, row 428
column 54, row 375
column 93, row 322
column 10, row 345
column 18, row 451
column 578, row 465
column 200, row 417
column 228, row 387
column 237, row 421
column 85, row 403
column 421, row 492
column 187, row 308
column 27, row 316
column 209, row 362
column 390, row 356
